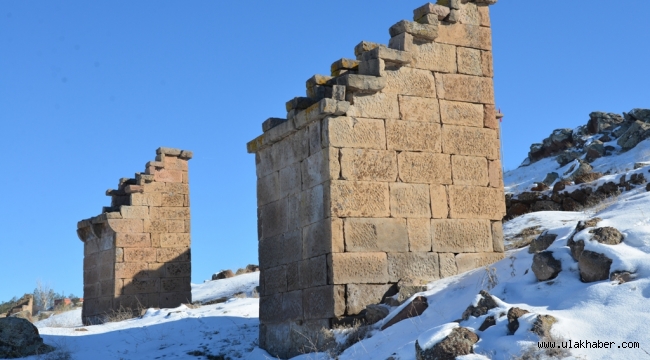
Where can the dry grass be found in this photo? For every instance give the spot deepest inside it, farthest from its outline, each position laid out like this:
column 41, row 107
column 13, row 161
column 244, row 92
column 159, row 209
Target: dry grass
column 524, row 238
column 533, row 352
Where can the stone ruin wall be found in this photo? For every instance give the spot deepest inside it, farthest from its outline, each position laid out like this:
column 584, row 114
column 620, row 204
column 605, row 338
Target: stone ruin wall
column 137, row 251
column 387, row 170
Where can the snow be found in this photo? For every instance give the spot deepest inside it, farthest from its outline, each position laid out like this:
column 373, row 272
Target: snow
column 599, row 311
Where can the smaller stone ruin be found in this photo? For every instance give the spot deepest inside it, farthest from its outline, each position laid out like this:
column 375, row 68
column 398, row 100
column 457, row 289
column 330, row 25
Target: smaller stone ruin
column 137, row 251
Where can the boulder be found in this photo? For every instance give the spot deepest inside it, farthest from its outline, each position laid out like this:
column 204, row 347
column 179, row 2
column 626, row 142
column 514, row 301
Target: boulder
column 636, row 133
column 223, row 275
column 600, row 121
column 607, row 235
column 546, row 205
column 514, row 313
column 594, row 150
column 640, row 114
column 489, row 321
column 542, row 325
column 460, row 342
column 545, row 266
column 375, row 313
column 540, row 186
column 484, row 305
column 586, row 178
column 517, row 209
column 567, row 156
column 20, row 338
column 594, row 266
column 550, row 178
column 621, row 276
column 579, row 195
column 576, row 247
column 541, row 243
column 569, row 204
column 637, row 179
column 408, row 288
column 560, row 185
column 415, row 308
column 583, row 168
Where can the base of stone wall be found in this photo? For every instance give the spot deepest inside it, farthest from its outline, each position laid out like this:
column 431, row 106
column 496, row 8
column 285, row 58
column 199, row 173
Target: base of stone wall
column 288, row 339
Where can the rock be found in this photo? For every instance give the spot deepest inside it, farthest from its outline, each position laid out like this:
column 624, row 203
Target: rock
column 514, row 313
column 375, row 313
column 550, row 178
column 636, row 133
column 593, row 266
column 541, row 243
column 579, row 195
column 637, row 179
column 546, row 205
column 460, row 342
column 569, row 204
column 408, row 288
column 583, row 168
column 223, row 275
column 617, row 132
column 540, row 186
column 415, row 308
column 595, row 150
column 542, row 325
column 621, row 276
column 600, row 121
column 589, row 177
column 605, row 138
column 640, row 114
column 608, row 188
column 528, row 197
column 567, row 156
column 576, row 247
column 560, row 185
column 489, row 321
column 607, row 235
column 545, row 266
column 647, row 187
column 20, row 338
column 247, row 270
column 484, row 305
column 517, row 209
column 27, row 315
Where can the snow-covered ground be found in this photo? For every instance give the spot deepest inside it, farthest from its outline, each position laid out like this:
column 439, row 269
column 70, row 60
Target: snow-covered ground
column 599, row 311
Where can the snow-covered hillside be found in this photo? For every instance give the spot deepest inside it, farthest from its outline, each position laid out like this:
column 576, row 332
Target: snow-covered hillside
column 612, row 312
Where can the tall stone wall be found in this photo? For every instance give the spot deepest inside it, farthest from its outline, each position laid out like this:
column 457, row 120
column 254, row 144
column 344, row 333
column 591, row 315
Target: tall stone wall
column 137, row 252
column 387, row 170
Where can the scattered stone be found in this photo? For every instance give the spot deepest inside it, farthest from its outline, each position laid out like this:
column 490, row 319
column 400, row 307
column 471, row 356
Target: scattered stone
column 408, row 288
column 485, row 304
column 550, row 178
column 541, row 243
column 583, row 168
column 607, row 235
column 567, row 156
column 514, row 313
column 640, row 114
column 542, row 325
column 223, row 275
column 586, row 178
column 561, row 185
column 20, row 338
column 460, row 342
column 375, row 313
column 595, row 150
column 621, row 276
column 593, row 266
column 637, row 132
column 489, row 321
column 600, row 121
column 546, row 205
column 545, row 266
column 576, row 247
column 540, row 186
column 569, row 204
column 415, row 308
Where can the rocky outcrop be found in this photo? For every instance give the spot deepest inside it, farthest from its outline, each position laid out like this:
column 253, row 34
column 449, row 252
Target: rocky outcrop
column 20, row 338
column 542, row 325
column 460, row 342
column 576, row 246
column 415, row 308
column 594, row 266
column 514, row 313
column 485, row 304
column 541, row 243
column 224, row 274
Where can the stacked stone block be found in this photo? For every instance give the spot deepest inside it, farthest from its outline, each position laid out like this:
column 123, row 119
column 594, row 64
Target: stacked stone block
column 137, row 252
column 387, row 170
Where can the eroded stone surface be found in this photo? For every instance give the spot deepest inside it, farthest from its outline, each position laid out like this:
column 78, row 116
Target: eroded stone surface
column 461, row 235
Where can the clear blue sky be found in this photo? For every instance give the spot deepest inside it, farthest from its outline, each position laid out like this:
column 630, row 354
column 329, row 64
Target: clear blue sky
column 89, row 89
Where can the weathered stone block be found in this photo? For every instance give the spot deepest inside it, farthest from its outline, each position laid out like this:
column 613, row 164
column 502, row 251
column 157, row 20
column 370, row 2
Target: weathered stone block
column 462, row 140
column 377, row 106
column 361, row 295
column 357, row 268
column 127, row 270
column 467, row 88
column 368, row 235
column 467, row 202
column 461, row 113
column 318, row 111
column 413, row 265
column 410, row 200
column 416, row 108
column 461, row 235
column 322, row 238
column 413, row 135
column 170, row 213
column 273, row 218
column 119, row 254
column 435, row 57
column 268, row 189
column 372, row 165
column 388, row 55
column 314, row 134
column 293, row 149
column 373, row 67
column 497, row 236
column 126, row 225
column 364, row 46
column 354, row 133
column 178, row 269
column 290, row 180
column 275, row 280
column 471, row 36
column 162, row 226
column 172, row 254
column 447, row 265
column 409, row 81
column 484, row 15
column 165, row 175
column 134, row 212
column 361, row 83
column 271, row 308
column 320, row 167
column 439, row 10
column 323, row 302
column 469, row 170
column 139, row 254
column 152, row 199
column 176, row 200
column 175, row 285
column 486, row 64
column 428, row 168
column 439, row 202
column 359, row 199
column 314, row 205
column 293, row 276
column 469, row 14
column 313, row 272
column 127, row 240
column 292, row 305
column 495, row 174
column 423, row 31
column 419, row 234
column 469, row 61
column 140, row 286
column 466, row 262
column 401, row 42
